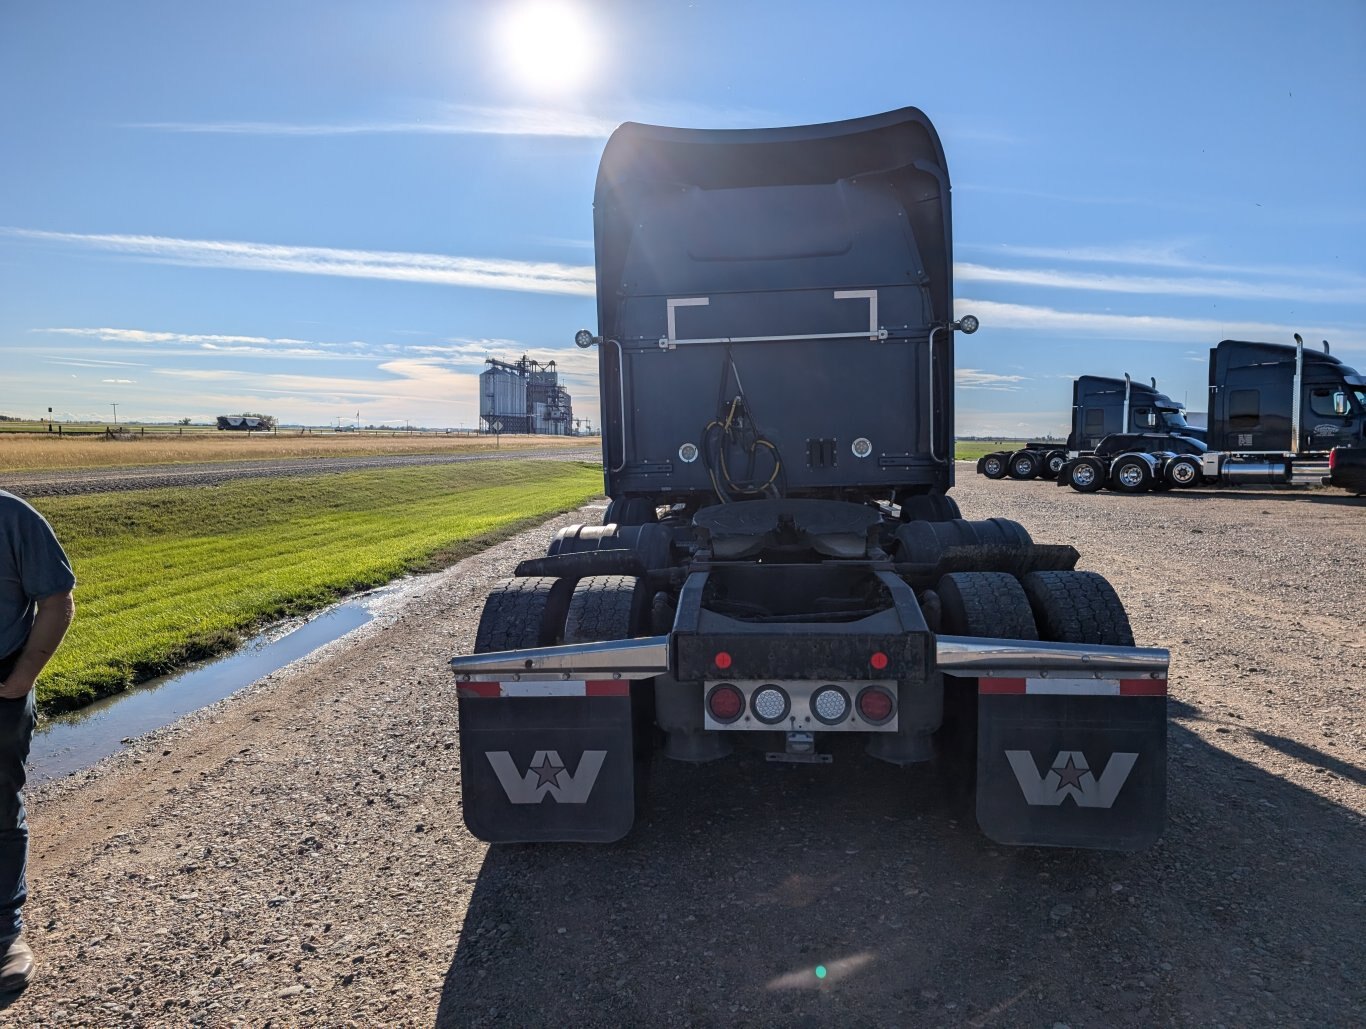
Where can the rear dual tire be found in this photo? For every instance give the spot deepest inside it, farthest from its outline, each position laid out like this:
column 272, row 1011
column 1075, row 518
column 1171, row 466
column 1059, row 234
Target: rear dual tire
column 1131, row 475
column 1087, row 475
column 1078, row 607
column 544, row 611
column 1183, row 473
column 1052, row 464
column 607, row 607
column 521, row 613
column 1025, row 464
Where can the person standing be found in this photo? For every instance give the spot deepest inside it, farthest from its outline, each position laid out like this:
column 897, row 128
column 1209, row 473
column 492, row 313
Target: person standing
column 36, row 607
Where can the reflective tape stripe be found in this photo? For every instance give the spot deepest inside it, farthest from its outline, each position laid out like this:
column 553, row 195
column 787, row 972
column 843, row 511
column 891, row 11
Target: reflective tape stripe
column 469, row 690
column 1073, row 687
column 1063, row 687
column 1000, row 685
column 608, row 688
column 546, row 688
column 1143, row 687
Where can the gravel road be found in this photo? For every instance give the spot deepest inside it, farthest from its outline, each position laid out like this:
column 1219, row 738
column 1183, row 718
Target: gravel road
column 106, row 480
column 296, row 856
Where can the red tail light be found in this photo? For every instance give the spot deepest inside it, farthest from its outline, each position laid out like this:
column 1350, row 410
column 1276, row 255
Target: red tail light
column 722, row 660
column 878, row 660
column 875, row 705
column 725, row 702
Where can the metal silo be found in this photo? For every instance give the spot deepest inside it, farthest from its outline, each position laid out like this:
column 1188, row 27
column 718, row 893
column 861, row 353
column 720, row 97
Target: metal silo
column 502, row 398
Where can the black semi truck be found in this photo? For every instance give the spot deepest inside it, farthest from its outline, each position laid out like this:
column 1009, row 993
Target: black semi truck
column 1100, row 407
column 1275, row 413
column 781, row 568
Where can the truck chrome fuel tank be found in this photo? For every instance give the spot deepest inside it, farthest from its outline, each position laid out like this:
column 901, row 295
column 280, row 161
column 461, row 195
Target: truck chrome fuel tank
column 1255, row 471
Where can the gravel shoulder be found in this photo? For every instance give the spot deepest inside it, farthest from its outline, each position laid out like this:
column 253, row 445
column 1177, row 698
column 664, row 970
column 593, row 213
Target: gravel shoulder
column 296, row 855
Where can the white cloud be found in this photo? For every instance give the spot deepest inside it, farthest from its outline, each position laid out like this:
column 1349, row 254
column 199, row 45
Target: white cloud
column 975, row 378
column 456, row 120
column 1148, row 284
column 1170, row 255
column 91, row 362
column 440, row 269
column 1069, row 198
column 1145, row 327
column 471, row 119
column 121, row 382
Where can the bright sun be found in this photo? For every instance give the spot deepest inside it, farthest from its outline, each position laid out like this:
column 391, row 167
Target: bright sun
column 548, row 45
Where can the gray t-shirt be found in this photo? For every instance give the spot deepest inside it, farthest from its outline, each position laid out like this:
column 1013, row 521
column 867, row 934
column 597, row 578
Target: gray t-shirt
column 33, row 565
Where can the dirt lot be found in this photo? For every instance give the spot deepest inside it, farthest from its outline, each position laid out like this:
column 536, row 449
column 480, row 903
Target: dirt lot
column 297, row 856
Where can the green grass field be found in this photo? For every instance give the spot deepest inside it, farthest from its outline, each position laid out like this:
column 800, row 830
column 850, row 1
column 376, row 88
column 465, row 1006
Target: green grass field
column 173, row 575
column 972, row 449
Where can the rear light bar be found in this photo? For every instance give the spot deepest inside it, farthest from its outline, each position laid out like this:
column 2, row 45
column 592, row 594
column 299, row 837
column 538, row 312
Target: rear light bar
column 793, row 705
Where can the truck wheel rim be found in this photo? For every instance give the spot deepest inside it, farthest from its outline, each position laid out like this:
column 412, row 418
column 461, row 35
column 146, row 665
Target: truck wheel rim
column 993, row 465
column 1084, row 475
column 1023, row 466
column 1055, row 465
column 1130, row 475
column 1183, row 472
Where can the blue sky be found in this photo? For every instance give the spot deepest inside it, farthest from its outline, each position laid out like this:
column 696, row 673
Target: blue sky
column 318, row 208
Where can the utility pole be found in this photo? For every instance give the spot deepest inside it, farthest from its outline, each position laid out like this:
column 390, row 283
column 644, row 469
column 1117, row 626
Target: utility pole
column 116, row 415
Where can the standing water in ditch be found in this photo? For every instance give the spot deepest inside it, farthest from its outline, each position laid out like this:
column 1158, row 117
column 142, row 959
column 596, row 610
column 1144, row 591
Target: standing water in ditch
column 70, row 742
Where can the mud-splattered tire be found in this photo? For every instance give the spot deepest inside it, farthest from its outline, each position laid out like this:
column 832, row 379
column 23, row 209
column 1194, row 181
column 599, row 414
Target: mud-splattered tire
column 607, row 607
column 985, row 604
column 1078, row 607
column 522, row 613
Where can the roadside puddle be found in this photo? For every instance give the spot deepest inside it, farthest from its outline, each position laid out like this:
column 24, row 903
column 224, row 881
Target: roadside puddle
column 76, row 740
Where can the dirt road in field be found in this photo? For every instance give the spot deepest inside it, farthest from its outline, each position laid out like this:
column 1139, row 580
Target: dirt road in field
column 296, row 855
column 106, row 480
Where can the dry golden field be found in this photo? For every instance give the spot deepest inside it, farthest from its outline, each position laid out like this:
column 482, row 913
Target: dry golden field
column 31, row 453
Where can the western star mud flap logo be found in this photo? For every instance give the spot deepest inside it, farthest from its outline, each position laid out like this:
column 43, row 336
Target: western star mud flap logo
column 1070, row 776
column 547, row 775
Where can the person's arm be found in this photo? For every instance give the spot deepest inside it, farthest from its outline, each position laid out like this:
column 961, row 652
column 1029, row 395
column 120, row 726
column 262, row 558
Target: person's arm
column 49, row 626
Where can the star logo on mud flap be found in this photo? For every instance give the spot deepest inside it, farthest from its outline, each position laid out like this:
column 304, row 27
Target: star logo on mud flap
column 548, row 772
column 1070, row 776
column 547, row 776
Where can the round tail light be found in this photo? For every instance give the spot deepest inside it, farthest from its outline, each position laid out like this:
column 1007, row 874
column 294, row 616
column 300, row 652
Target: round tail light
column 770, row 704
column 875, row 704
column 725, row 703
column 830, row 705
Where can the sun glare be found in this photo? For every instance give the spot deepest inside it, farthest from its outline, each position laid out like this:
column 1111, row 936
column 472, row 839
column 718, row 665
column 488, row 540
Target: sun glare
column 548, row 45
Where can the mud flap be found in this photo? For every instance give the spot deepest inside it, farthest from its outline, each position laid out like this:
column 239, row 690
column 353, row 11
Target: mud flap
column 548, row 769
column 1071, row 771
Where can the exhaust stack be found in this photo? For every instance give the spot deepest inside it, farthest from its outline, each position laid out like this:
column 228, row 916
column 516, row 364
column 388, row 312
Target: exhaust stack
column 1295, row 399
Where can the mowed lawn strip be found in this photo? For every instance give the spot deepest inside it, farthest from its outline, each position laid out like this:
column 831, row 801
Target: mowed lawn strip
column 169, row 576
column 973, row 449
